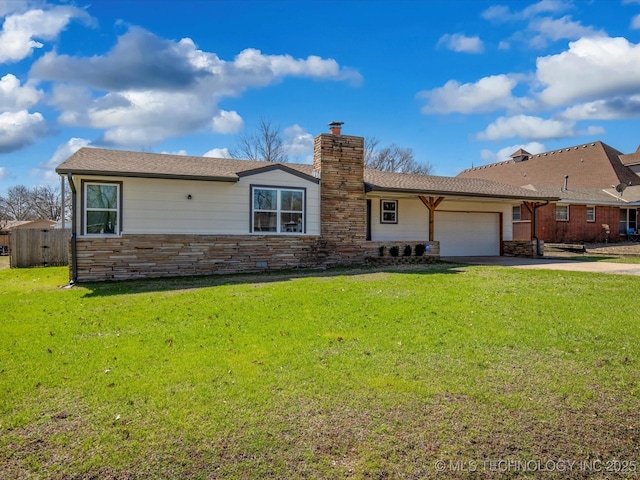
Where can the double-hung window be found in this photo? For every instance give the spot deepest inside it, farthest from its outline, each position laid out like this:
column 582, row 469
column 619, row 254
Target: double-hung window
column 101, row 208
column 562, row 213
column 277, row 210
column 388, row 211
column 591, row 214
column 516, row 213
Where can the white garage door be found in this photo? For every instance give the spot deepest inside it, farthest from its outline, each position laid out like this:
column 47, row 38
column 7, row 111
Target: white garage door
column 464, row 234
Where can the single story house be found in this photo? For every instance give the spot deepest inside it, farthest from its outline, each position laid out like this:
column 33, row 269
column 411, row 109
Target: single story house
column 598, row 189
column 137, row 214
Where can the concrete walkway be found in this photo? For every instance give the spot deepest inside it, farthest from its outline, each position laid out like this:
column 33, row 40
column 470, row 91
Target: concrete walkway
column 550, row 264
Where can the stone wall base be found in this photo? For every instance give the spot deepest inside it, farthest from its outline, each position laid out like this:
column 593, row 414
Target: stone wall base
column 152, row 256
column 517, row 248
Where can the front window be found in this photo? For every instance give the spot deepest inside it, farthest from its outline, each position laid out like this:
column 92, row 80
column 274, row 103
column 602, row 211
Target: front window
column 562, row 213
column 277, row 210
column 388, row 211
column 591, row 214
column 102, row 209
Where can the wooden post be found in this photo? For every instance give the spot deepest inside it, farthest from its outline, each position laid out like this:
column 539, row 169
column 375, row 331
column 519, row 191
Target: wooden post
column 431, row 203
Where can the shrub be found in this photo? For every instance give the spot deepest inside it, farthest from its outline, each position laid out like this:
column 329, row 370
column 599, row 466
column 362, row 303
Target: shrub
column 382, row 250
column 407, row 251
column 394, row 251
column 420, row 249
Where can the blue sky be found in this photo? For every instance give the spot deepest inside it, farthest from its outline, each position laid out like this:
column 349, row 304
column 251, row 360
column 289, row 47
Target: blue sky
column 461, row 82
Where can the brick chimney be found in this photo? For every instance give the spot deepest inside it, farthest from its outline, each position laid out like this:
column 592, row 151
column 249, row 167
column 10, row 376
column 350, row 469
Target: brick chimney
column 339, row 161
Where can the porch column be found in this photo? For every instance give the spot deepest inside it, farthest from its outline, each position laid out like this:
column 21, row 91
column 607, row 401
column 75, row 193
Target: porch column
column 431, row 203
column 530, row 207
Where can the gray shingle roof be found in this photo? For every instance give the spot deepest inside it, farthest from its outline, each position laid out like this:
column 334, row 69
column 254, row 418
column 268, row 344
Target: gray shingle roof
column 596, row 196
column 98, row 161
column 436, row 185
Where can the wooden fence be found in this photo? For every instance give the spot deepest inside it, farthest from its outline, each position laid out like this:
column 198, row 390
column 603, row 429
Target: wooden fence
column 34, row 247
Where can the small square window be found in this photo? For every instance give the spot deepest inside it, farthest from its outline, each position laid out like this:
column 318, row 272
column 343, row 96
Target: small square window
column 591, row 214
column 516, row 213
column 388, row 211
column 562, row 213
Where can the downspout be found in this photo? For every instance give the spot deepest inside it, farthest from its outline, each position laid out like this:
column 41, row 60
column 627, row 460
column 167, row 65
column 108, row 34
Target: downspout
column 535, row 227
column 74, row 223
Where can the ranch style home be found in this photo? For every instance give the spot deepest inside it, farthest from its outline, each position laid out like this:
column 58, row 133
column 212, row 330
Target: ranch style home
column 137, row 214
column 598, row 186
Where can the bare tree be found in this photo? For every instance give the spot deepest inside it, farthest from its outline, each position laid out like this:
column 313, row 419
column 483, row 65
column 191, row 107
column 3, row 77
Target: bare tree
column 392, row 158
column 17, row 203
column 22, row 203
column 45, row 202
column 266, row 144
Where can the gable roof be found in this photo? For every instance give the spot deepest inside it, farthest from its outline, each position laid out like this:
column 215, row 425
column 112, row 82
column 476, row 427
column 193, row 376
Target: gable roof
column 105, row 162
column 592, row 165
column 121, row 163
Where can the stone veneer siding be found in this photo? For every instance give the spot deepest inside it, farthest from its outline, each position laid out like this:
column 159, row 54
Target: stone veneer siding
column 524, row 248
column 144, row 256
column 139, row 256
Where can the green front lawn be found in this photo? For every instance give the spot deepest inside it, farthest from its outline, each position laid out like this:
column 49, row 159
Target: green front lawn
column 359, row 374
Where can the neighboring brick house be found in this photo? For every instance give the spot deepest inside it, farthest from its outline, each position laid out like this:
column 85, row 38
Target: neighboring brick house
column 138, row 214
column 598, row 189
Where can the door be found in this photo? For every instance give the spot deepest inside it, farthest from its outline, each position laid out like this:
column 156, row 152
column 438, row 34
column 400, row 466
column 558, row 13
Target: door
column 466, row 234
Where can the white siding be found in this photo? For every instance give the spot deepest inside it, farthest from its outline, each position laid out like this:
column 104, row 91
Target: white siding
column 220, row 208
column 413, row 221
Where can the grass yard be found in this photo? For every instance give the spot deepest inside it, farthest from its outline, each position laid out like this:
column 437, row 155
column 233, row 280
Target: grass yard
column 445, row 370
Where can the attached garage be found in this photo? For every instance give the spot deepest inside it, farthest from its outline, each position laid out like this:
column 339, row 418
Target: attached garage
column 464, row 234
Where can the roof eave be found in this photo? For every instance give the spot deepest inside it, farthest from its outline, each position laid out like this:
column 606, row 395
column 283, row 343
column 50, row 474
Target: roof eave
column 370, row 187
column 107, row 173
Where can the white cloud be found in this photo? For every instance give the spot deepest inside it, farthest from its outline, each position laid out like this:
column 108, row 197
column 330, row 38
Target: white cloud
column 46, row 170
column 14, row 97
column 592, row 68
column 485, row 95
column 504, row 45
column 64, row 151
column 147, row 89
column 549, row 29
column 19, row 31
column 528, row 127
column 19, row 129
column 218, row 153
column 298, row 143
column 179, row 152
column 503, row 14
column 227, row 122
column 505, row 153
column 635, row 22
column 3, row 173
column 609, row 109
column 461, row 43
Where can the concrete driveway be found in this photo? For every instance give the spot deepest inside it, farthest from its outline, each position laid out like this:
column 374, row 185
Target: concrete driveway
column 550, row 264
